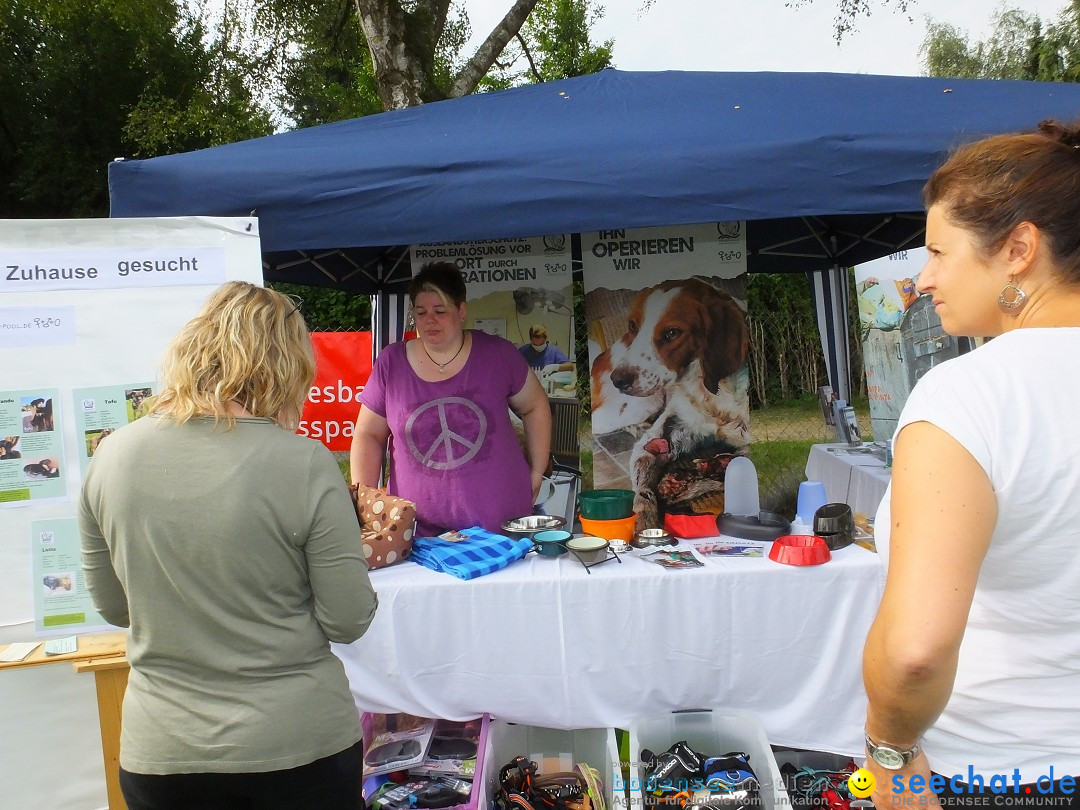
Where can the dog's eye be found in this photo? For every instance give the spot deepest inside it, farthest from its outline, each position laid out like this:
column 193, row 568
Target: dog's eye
column 670, row 334
column 632, row 326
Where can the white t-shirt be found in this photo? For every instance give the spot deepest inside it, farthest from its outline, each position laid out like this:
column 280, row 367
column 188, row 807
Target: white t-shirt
column 1013, row 404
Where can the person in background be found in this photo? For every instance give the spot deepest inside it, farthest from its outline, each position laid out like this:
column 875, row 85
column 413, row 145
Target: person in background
column 540, row 354
column 443, row 401
column 230, row 547
column 972, row 665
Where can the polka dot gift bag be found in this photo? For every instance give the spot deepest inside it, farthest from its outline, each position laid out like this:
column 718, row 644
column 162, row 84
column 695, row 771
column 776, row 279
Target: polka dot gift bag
column 387, row 525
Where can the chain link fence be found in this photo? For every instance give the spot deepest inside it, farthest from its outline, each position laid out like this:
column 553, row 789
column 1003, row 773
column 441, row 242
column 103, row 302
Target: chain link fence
column 787, row 365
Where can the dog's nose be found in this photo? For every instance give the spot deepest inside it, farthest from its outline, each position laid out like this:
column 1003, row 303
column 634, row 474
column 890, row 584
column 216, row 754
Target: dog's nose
column 622, row 379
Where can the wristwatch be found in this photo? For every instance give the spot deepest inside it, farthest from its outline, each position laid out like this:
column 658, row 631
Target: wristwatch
column 890, row 757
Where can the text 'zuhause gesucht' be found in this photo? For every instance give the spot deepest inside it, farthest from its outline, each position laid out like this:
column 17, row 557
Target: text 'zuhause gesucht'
column 124, row 268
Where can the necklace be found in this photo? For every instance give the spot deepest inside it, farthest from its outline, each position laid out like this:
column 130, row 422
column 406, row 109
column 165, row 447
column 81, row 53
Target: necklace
column 442, row 366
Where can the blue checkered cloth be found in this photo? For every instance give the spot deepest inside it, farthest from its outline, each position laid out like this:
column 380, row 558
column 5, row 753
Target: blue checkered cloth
column 482, row 552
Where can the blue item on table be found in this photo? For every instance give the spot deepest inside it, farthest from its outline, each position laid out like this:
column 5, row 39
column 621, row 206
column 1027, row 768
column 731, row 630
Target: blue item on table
column 479, row 552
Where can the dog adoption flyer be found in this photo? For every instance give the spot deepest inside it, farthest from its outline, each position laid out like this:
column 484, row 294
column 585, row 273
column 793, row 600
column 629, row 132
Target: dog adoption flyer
column 32, row 466
column 62, row 603
column 101, row 410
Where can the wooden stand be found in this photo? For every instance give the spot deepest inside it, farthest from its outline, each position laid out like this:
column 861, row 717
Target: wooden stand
column 102, row 654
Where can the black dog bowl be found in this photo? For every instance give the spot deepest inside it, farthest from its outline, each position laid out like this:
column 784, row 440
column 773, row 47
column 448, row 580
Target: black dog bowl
column 762, row 526
column 835, row 524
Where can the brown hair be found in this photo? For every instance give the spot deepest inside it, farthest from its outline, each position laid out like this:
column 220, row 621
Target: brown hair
column 990, row 186
column 442, row 278
column 248, row 344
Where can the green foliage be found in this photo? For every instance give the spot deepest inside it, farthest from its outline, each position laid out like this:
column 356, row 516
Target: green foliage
column 554, row 43
column 327, row 310
column 785, row 353
column 85, row 82
column 327, row 74
column 1020, row 46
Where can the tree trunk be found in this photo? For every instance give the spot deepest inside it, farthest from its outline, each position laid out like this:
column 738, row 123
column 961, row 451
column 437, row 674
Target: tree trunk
column 489, row 51
column 398, row 70
column 403, row 46
column 759, row 374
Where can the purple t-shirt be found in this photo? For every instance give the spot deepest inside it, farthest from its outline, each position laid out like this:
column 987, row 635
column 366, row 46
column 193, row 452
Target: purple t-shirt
column 454, row 451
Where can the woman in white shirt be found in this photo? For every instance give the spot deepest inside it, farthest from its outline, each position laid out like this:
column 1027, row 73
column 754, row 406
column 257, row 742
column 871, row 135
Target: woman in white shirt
column 972, row 666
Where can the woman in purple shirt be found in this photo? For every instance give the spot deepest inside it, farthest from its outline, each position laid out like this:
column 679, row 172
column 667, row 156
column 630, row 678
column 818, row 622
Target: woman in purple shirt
column 443, row 402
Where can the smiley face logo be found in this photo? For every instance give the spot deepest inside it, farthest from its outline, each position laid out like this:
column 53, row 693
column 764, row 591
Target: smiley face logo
column 861, row 783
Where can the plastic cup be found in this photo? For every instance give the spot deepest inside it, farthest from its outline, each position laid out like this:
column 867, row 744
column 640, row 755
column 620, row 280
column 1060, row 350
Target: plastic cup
column 811, row 498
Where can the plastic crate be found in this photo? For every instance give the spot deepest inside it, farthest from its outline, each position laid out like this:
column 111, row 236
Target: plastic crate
column 817, row 760
column 711, row 733
column 552, row 749
column 474, row 801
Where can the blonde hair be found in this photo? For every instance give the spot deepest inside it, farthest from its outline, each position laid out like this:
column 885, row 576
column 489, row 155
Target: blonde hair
column 248, row 345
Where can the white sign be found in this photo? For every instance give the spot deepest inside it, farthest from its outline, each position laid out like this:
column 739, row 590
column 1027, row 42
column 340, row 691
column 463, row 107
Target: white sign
column 503, row 264
column 110, row 268
column 36, row 326
column 628, row 258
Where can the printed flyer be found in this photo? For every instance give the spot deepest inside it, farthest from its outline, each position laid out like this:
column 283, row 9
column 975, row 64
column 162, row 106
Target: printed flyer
column 31, row 447
column 99, row 411
column 62, row 603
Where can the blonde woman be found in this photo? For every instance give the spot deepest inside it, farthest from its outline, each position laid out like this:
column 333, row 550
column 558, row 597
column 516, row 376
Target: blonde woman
column 229, row 546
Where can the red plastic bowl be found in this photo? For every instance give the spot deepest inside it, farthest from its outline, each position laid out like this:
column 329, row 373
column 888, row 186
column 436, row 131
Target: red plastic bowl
column 800, row 549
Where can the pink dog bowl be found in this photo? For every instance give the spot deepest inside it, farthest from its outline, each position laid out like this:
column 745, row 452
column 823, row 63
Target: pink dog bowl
column 800, row 549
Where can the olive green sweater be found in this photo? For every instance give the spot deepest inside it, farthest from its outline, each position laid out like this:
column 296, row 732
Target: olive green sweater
column 235, row 558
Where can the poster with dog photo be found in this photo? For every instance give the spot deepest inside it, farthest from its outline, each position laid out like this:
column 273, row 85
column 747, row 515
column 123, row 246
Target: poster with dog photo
column 32, row 464
column 103, row 409
column 62, row 604
column 519, row 289
column 668, row 349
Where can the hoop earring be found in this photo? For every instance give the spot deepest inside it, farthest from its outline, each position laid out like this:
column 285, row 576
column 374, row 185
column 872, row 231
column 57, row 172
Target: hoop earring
column 1012, row 298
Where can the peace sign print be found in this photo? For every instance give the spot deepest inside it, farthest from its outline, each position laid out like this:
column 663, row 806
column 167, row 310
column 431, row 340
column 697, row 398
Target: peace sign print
column 446, row 433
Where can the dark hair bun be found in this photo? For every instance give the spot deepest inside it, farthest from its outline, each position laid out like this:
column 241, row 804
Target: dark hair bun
column 1067, row 134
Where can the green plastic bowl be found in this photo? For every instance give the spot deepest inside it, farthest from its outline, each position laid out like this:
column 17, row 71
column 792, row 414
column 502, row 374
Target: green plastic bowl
column 607, row 504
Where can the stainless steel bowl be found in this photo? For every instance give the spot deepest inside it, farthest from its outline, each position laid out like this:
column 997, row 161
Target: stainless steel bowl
column 531, row 524
column 652, row 537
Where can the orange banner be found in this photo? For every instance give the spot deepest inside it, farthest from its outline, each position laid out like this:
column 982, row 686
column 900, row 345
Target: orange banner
column 342, row 368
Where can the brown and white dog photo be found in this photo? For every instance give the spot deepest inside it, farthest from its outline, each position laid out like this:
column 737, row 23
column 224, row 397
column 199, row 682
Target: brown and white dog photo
column 680, row 371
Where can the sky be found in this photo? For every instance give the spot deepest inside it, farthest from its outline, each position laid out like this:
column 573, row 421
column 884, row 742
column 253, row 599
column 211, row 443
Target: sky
column 753, row 35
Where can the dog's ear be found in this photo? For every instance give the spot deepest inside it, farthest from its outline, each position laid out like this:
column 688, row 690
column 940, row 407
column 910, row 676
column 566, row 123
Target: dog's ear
column 728, row 339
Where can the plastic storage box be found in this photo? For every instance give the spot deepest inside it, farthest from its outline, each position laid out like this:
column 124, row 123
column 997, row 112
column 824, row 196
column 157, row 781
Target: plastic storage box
column 711, row 733
column 482, row 756
column 552, row 749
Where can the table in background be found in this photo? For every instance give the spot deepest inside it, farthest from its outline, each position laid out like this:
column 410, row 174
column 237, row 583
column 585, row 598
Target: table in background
column 104, row 655
column 548, row 643
column 858, row 479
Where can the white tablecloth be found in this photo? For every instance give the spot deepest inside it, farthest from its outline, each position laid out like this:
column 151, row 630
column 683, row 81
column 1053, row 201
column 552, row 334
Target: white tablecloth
column 857, row 479
column 546, row 643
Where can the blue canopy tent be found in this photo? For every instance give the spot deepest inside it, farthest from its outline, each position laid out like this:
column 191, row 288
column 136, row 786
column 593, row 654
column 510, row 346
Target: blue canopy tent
column 827, row 170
